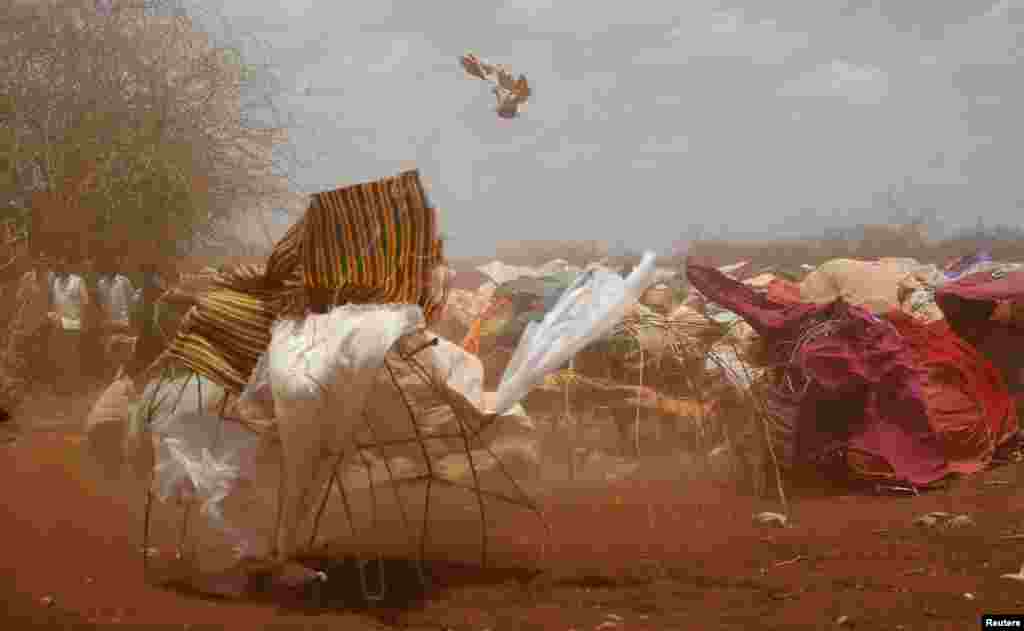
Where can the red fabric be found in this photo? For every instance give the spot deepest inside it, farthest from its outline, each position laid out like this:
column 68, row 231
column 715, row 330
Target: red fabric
column 968, row 304
column 863, row 388
column 988, row 286
column 969, row 405
column 784, row 292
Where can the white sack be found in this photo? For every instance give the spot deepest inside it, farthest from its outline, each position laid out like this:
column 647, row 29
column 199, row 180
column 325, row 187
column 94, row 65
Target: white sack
column 106, row 427
column 321, row 371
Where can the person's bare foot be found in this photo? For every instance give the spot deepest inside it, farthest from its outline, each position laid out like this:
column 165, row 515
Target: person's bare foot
column 290, row 574
column 295, row 575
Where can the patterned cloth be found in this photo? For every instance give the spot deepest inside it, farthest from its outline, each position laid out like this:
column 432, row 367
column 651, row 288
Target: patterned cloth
column 369, row 243
column 223, row 336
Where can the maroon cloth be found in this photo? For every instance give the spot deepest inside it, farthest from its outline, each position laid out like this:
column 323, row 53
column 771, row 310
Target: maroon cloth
column 770, row 319
column 862, row 389
column 968, row 304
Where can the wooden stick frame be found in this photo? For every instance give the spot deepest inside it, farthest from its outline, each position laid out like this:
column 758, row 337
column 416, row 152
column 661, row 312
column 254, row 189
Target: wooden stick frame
column 466, row 433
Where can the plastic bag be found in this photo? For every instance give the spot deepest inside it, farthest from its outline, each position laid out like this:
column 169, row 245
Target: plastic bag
column 587, row 310
column 202, row 455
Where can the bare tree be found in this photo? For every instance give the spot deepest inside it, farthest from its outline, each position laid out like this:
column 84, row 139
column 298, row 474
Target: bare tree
column 128, row 124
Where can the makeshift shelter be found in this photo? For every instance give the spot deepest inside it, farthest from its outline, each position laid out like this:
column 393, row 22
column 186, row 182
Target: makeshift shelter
column 500, row 273
column 337, row 320
column 969, row 304
column 468, row 279
column 873, row 285
column 783, row 291
column 965, row 264
column 361, row 260
column 968, row 404
column 847, row 389
column 513, row 305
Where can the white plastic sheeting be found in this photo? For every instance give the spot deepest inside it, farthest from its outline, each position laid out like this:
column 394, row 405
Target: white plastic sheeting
column 321, row 370
column 502, row 273
column 184, row 394
column 337, row 353
column 586, row 311
column 319, row 376
column 439, row 419
column 197, row 454
column 202, row 455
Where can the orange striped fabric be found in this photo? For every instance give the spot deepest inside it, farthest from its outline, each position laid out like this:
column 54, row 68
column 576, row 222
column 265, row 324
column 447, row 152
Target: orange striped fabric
column 369, row 243
column 284, row 261
column 374, row 242
column 223, row 335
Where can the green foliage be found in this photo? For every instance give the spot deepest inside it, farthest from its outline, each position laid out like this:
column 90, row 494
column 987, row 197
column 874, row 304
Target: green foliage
column 151, row 163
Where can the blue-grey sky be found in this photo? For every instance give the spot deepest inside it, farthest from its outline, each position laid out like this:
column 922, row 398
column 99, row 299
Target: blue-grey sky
column 650, row 118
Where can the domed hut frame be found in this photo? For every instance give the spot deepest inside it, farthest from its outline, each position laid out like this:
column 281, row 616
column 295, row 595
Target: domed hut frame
column 691, row 345
column 465, row 432
column 228, row 329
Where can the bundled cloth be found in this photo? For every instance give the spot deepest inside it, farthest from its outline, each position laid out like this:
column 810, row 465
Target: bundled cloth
column 373, row 243
column 873, row 285
column 107, row 424
column 223, row 336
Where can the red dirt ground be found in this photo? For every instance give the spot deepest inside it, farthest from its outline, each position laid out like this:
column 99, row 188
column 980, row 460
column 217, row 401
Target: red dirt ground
column 654, row 555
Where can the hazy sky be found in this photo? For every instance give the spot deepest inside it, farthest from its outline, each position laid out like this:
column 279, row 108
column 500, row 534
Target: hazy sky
column 651, row 117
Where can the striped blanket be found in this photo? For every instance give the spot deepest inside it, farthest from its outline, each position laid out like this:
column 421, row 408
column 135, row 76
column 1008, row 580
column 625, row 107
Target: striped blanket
column 369, row 243
column 223, row 335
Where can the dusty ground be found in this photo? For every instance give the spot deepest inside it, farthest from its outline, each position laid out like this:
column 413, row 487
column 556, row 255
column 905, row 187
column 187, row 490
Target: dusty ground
column 639, row 555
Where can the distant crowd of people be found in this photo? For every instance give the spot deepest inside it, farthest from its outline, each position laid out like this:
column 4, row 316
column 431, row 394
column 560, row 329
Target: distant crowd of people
column 77, row 324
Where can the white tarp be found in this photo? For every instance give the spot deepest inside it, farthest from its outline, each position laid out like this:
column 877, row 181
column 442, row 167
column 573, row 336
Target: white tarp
column 321, row 372
column 587, row 310
column 322, row 369
column 501, row 273
column 196, row 452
